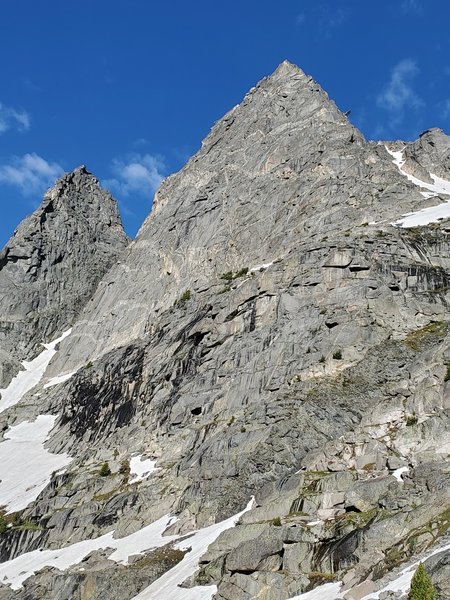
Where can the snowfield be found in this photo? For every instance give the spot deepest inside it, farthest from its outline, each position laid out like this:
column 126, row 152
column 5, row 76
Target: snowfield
column 439, row 186
column 14, row 572
column 167, row 586
column 25, row 465
column 25, row 380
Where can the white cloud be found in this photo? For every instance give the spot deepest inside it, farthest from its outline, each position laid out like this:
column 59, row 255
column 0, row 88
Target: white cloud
column 399, row 95
column 137, row 173
column 10, row 118
column 31, row 173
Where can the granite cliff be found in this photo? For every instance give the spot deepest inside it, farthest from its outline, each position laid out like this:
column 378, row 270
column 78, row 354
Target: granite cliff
column 278, row 329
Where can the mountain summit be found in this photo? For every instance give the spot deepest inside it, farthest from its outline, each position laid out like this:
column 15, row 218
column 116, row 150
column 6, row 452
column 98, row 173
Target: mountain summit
column 53, row 262
column 253, row 401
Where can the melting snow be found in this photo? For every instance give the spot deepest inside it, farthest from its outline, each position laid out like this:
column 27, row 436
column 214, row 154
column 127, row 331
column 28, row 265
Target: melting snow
column 141, row 468
column 24, row 381
column 167, row 586
column 426, row 215
column 25, row 465
column 14, row 572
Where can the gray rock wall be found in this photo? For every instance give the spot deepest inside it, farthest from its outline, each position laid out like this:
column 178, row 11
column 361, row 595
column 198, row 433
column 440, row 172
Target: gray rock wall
column 52, row 264
column 268, row 333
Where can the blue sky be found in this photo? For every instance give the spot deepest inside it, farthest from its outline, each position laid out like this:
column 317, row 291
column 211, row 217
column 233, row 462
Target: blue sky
column 130, row 88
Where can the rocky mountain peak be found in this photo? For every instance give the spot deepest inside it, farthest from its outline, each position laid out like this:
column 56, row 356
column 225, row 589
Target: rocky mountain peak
column 52, row 263
column 275, row 332
column 287, row 69
column 282, row 167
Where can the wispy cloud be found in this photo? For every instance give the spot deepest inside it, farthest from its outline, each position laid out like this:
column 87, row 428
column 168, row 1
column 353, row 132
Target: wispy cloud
column 12, row 118
column 136, row 173
column 31, row 173
column 399, row 95
column 323, row 18
column 446, row 109
column 139, row 142
column 330, row 19
column 411, row 6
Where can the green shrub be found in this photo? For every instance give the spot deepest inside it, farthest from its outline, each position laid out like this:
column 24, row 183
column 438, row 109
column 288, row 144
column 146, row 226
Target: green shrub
column 229, row 275
column 3, row 524
column 337, row 355
column 124, row 468
column 411, row 419
column 185, row 296
column 322, row 359
column 421, row 586
column 241, row 272
column 104, row 470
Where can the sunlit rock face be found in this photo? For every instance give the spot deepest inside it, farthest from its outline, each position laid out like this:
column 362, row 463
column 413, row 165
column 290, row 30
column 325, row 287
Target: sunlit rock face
column 269, row 333
column 52, row 264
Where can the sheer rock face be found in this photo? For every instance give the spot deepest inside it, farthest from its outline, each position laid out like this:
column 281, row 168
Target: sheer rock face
column 51, row 265
column 431, row 153
column 279, row 169
column 268, row 333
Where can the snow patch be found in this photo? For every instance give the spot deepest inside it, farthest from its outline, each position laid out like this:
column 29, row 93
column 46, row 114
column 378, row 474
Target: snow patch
column 426, row 215
column 25, row 380
column 398, row 473
column 328, row 591
column 432, row 214
column 167, row 586
column 25, row 465
column 141, row 468
column 402, row 582
column 263, row 266
column 58, row 379
column 14, row 572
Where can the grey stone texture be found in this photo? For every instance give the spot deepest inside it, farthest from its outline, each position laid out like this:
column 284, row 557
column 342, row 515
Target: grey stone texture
column 52, row 264
column 267, row 333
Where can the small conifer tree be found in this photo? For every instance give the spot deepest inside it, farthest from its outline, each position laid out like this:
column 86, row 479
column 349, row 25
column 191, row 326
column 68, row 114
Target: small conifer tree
column 421, row 586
